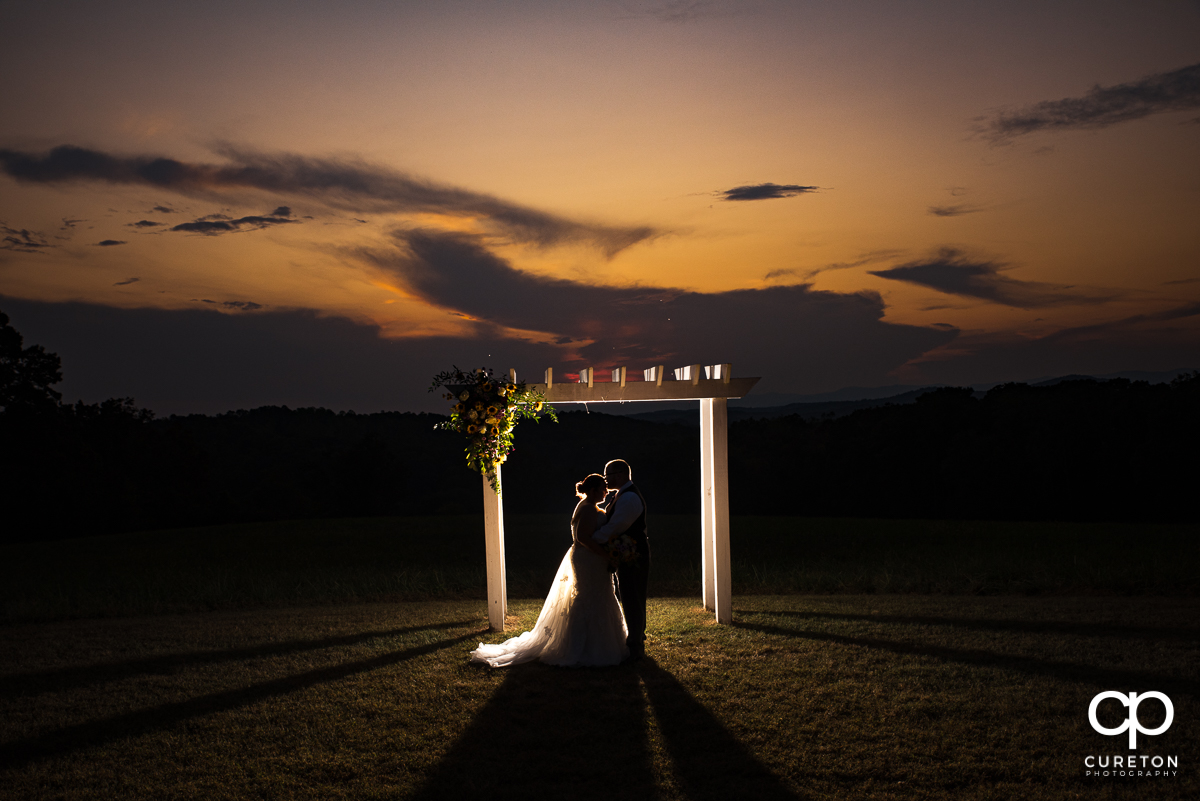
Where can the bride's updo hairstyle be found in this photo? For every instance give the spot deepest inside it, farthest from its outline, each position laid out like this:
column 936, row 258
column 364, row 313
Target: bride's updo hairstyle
column 594, row 481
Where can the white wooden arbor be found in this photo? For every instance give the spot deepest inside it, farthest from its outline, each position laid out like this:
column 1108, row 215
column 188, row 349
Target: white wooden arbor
column 713, row 391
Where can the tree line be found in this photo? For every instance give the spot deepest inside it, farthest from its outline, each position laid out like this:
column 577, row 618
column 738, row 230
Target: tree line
column 1078, row 450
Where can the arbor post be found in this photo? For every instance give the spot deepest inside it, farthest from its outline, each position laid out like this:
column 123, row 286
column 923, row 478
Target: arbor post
column 714, row 508
column 493, row 531
column 723, row 583
column 707, row 529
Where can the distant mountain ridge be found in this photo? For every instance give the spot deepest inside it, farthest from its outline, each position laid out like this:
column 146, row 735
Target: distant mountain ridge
column 851, row 399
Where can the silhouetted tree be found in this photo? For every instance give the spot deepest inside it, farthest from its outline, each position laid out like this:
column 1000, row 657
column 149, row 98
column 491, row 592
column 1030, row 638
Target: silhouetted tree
column 26, row 374
column 1076, row 450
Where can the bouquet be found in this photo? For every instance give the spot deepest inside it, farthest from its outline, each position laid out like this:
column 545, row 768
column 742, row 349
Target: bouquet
column 621, row 550
column 486, row 409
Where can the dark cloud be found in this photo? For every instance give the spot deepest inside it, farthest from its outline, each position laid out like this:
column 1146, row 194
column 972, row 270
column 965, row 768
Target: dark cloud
column 1181, row 281
column 828, row 338
column 164, row 210
column 784, row 273
column 1101, row 107
column 765, row 191
column 953, row 211
column 144, row 224
column 351, row 185
column 866, row 258
column 205, row 360
column 240, row 305
column 22, row 240
column 107, row 243
column 1163, row 340
column 953, row 273
column 70, row 223
column 127, row 282
column 217, row 224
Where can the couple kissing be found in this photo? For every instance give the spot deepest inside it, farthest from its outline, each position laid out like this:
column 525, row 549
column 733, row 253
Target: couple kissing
column 595, row 614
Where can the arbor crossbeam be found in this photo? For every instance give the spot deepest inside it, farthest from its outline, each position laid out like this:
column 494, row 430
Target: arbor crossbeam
column 634, row 391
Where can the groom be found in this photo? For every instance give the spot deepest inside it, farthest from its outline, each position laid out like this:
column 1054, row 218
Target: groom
column 627, row 515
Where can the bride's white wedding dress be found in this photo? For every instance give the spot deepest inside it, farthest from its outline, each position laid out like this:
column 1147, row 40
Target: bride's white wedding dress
column 581, row 622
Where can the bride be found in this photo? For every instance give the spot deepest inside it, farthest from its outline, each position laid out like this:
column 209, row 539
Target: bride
column 581, row 622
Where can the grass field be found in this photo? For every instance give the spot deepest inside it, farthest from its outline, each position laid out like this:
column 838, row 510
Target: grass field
column 868, row 659
column 899, row 696
column 416, row 558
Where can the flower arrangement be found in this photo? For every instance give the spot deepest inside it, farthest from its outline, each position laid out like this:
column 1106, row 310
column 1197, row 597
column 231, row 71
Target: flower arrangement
column 621, row 549
column 486, row 409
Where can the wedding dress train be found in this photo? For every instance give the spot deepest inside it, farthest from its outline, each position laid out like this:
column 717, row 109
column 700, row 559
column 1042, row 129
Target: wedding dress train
column 580, row 625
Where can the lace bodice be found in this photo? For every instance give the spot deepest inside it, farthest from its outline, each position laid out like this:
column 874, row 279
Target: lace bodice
column 600, row 520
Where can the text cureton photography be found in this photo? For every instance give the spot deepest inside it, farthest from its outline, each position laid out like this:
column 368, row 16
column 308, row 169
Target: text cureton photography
column 1132, row 764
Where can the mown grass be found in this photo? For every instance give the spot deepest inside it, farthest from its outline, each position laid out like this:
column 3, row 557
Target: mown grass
column 334, row 561
column 828, row 696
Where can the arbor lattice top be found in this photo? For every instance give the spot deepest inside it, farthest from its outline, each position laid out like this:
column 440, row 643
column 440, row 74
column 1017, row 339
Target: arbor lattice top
column 688, row 385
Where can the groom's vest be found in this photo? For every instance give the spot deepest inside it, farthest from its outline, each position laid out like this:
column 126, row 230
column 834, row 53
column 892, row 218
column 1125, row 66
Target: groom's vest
column 637, row 531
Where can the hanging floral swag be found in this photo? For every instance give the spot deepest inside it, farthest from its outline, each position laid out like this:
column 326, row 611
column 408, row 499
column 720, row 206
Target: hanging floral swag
column 486, row 409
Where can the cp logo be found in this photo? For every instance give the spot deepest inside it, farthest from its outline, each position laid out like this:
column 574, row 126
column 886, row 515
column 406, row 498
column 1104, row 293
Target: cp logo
column 1131, row 723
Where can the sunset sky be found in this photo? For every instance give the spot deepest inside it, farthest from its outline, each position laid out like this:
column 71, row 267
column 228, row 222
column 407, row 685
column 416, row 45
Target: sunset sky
column 226, row 205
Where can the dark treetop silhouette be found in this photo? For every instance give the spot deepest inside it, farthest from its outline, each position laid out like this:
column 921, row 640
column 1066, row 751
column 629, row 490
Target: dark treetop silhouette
column 26, row 374
column 1078, row 450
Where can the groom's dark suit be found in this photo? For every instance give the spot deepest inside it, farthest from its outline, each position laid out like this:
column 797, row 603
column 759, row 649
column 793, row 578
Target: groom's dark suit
column 633, row 577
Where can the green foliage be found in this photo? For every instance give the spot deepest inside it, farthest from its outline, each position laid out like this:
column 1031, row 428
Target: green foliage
column 26, row 374
column 486, row 410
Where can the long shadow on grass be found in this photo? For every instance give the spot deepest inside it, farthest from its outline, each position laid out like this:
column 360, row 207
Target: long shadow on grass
column 583, row 734
column 552, row 733
column 1103, row 677
column 1028, row 626
column 708, row 760
column 132, row 724
column 65, row 678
